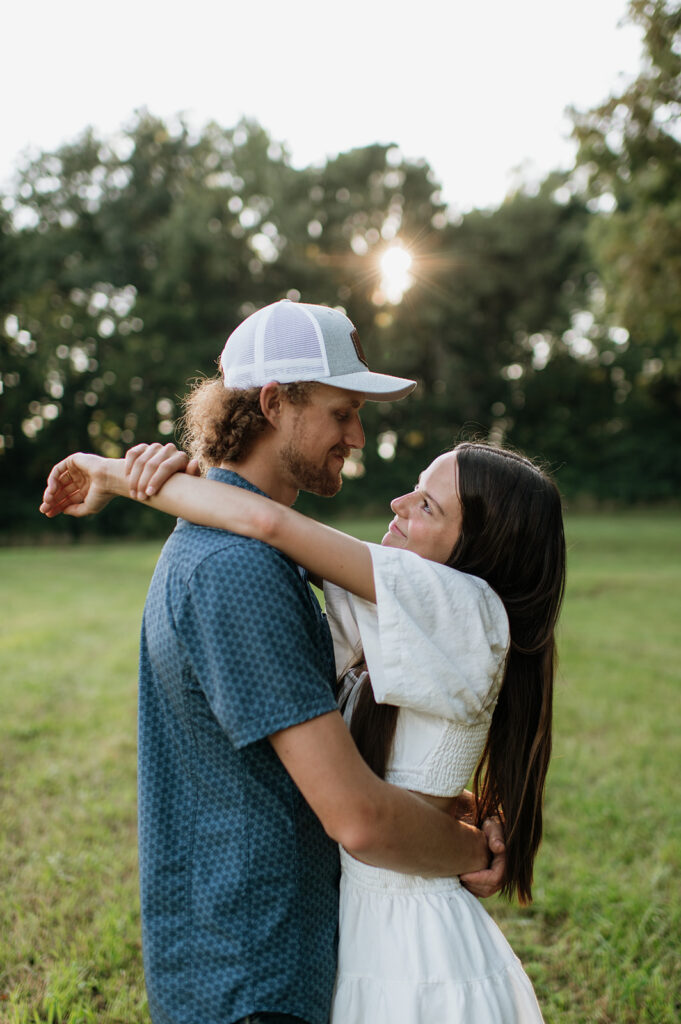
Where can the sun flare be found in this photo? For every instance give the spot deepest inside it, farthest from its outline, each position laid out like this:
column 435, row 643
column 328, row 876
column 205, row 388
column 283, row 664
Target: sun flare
column 395, row 276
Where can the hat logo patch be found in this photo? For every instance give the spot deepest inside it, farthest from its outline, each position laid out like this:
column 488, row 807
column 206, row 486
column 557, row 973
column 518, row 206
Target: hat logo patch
column 358, row 347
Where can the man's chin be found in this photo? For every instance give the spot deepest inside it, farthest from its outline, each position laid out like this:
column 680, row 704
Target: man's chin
column 328, row 487
column 314, row 479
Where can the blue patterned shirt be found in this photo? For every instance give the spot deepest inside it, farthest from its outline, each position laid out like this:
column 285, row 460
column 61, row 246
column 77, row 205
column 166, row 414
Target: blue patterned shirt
column 239, row 882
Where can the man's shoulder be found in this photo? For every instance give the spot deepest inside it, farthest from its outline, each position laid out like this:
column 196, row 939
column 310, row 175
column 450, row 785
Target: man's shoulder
column 193, row 549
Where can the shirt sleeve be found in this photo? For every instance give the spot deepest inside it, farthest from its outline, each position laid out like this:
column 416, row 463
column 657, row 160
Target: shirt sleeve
column 436, row 640
column 261, row 650
column 340, row 613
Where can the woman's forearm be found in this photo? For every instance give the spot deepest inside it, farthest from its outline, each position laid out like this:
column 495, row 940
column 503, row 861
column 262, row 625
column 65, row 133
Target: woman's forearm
column 328, row 553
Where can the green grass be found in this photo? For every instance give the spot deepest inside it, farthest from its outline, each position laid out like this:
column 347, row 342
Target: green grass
column 601, row 941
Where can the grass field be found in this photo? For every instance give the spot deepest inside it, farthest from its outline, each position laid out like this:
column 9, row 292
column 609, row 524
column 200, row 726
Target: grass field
column 602, row 941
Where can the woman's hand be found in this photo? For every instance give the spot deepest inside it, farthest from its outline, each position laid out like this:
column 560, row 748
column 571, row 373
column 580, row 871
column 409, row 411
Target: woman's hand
column 77, row 486
column 148, row 466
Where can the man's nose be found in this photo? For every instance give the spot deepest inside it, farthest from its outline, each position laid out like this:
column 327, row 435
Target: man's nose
column 354, row 435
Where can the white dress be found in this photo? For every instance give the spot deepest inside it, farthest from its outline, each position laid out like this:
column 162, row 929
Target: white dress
column 414, row 950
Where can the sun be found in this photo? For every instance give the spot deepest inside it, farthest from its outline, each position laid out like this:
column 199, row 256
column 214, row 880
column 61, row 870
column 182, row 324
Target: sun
column 395, row 277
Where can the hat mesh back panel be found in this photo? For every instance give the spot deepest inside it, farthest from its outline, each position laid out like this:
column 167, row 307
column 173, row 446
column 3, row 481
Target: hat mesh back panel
column 288, row 349
column 291, row 347
column 240, row 373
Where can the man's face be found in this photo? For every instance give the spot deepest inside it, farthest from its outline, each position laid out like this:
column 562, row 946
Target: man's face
column 319, row 436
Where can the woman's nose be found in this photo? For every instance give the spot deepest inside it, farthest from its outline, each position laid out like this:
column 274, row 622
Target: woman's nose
column 400, row 506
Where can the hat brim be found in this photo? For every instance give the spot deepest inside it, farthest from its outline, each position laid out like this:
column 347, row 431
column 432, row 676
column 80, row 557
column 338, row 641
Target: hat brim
column 378, row 387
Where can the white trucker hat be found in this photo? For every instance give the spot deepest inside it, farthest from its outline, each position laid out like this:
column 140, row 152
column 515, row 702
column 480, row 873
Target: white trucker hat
column 289, row 341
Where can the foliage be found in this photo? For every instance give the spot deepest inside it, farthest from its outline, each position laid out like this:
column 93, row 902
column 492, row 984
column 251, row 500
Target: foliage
column 630, row 149
column 130, row 257
column 630, row 161
column 552, row 323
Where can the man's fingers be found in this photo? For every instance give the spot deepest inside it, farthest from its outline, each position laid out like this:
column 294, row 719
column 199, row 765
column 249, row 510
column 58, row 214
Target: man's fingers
column 490, row 880
column 481, row 890
column 486, row 882
column 494, row 833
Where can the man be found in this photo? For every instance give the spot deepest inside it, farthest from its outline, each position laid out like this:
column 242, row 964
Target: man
column 248, row 777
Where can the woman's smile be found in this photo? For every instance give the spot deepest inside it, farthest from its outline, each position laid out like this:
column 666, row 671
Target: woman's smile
column 394, row 528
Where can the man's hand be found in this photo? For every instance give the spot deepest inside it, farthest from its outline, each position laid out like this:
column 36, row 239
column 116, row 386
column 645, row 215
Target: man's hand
column 148, row 466
column 77, row 486
column 485, row 883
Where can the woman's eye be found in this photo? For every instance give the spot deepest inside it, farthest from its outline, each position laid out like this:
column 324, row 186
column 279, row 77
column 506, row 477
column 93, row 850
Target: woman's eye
column 425, row 506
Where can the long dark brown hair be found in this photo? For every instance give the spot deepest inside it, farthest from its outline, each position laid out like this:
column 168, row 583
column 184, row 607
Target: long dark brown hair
column 512, row 537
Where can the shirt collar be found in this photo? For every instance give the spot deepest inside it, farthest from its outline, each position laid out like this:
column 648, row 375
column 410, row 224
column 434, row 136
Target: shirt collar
column 228, row 476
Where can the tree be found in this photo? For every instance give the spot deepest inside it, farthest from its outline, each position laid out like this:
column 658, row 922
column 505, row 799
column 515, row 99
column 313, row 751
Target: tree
column 126, row 261
column 129, row 260
column 132, row 257
column 630, row 159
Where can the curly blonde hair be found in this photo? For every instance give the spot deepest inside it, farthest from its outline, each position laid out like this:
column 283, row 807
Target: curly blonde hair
column 221, row 424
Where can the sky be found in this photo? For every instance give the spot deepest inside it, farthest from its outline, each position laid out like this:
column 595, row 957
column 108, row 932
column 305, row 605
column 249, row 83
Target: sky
column 478, row 89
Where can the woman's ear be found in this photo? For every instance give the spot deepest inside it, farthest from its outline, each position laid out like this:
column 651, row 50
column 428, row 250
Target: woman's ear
column 271, row 403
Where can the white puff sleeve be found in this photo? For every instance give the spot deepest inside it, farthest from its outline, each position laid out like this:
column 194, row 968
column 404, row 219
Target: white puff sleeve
column 435, row 640
column 435, row 645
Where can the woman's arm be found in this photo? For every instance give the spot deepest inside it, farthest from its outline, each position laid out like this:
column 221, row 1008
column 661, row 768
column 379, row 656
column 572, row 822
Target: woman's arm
column 83, row 484
column 325, row 552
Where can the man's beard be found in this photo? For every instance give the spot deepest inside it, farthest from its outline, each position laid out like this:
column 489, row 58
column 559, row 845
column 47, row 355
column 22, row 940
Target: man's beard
column 308, row 476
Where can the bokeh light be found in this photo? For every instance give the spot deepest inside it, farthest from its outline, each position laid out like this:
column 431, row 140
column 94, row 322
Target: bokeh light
column 395, row 276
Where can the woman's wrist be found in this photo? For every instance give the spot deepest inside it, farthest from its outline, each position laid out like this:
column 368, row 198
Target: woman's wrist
column 112, row 479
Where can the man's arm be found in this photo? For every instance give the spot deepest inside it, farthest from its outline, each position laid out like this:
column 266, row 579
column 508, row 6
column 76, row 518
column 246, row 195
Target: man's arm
column 377, row 823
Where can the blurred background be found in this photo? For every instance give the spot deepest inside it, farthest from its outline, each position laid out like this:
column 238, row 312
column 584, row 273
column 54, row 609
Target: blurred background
column 493, row 195
column 492, row 191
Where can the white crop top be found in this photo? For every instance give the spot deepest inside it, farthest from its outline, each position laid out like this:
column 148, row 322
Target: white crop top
column 435, row 644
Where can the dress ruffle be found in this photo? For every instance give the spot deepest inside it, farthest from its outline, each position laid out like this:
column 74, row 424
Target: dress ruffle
column 423, row 951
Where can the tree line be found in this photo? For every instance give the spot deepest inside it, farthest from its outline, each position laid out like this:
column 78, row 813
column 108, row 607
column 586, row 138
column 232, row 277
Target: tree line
column 552, row 323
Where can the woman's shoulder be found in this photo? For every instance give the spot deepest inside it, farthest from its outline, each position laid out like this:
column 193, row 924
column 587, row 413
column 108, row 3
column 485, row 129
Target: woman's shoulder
column 437, row 638
column 409, row 574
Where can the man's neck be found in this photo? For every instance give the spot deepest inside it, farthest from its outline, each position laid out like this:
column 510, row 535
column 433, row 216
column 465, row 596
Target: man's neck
column 261, row 469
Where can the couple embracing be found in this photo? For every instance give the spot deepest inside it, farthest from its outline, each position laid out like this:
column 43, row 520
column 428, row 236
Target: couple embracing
column 308, row 849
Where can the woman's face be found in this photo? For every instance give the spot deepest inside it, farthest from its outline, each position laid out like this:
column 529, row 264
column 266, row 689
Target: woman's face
column 428, row 520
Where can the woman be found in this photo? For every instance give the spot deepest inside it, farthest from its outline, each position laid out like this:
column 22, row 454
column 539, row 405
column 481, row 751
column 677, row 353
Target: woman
column 432, row 694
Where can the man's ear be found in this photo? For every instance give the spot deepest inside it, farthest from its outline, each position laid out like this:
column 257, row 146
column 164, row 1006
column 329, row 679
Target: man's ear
column 271, row 401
